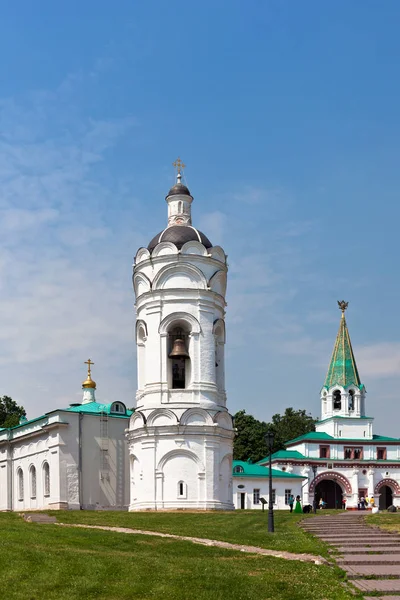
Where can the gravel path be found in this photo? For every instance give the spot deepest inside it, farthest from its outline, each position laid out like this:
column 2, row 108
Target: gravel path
column 318, row 560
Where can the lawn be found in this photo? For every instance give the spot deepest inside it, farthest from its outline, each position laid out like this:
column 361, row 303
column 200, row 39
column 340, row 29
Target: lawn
column 49, row 562
column 389, row 521
column 239, row 527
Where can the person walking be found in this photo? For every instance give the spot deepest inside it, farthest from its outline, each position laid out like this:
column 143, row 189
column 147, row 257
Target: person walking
column 291, row 502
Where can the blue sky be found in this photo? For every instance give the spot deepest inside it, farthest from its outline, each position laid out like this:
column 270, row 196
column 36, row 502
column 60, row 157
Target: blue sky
column 287, row 115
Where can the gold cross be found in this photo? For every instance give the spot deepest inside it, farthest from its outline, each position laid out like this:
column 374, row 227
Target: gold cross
column 89, row 363
column 178, row 164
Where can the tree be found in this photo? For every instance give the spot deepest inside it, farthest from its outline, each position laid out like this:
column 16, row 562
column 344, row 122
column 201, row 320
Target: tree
column 10, row 412
column 249, row 443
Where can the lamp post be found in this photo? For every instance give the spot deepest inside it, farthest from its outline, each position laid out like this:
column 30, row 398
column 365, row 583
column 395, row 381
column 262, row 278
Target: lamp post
column 269, row 440
column 314, row 470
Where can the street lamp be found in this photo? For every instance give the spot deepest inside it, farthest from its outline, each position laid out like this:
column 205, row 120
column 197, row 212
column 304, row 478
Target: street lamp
column 314, row 470
column 269, row 440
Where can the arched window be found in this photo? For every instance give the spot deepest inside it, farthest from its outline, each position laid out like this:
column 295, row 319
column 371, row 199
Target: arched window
column 351, row 399
column 180, row 206
column 20, row 479
column 182, row 489
column 178, row 357
column 32, row 477
column 118, row 407
column 46, row 479
column 238, row 469
column 337, row 400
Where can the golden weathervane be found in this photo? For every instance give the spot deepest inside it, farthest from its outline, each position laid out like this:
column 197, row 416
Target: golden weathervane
column 342, row 305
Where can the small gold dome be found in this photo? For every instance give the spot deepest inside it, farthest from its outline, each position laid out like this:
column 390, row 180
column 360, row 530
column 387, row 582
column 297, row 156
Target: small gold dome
column 89, row 383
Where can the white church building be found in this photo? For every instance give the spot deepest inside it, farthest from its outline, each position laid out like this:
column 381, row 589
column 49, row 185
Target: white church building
column 69, row 458
column 181, row 433
column 343, row 459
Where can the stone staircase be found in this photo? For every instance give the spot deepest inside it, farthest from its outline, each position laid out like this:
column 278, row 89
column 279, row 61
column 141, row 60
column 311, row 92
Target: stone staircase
column 370, row 557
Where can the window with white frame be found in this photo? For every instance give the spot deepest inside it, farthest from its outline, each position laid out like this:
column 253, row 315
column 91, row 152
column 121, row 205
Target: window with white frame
column 288, row 493
column 46, row 479
column 118, row 407
column 32, row 476
column 256, row 496
column 182, row 489
column 238, row 469
column 20, row 479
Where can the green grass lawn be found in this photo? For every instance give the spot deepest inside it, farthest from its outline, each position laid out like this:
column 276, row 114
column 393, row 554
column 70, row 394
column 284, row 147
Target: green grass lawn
column 48, row 562
column 389, row 521
column 239, row 527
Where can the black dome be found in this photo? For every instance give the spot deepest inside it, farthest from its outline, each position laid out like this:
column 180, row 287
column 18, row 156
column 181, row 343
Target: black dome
column 179, row 188
column 179, row 235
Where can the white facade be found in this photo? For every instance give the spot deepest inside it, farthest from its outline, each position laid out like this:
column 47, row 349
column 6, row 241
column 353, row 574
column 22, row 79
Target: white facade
column 67, row 459
column 181, row 434
column 350, row 462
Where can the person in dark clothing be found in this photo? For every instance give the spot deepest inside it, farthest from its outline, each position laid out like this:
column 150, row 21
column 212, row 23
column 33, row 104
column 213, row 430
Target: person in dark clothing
column 291, row 502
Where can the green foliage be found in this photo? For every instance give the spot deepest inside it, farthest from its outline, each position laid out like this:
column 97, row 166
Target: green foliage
column 10, row 412
column 250, row 443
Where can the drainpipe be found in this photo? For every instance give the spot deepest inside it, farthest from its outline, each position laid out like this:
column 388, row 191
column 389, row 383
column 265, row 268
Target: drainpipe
column 80, row 478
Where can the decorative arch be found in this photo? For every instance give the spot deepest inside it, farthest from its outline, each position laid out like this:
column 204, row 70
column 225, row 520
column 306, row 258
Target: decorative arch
column 141, row 330
column 180, row 276
column 194, row 247
column 219, row 330
column 158, row 413
column 141, row 254
column 137, row 420
column 223, row 419
column 164, row 249
column 141, row 284
column 217, row 283
column 217, row 253
column 177, row 317
column 180, row 452
column 332, row 475
column 189, row 417
column 392, row 483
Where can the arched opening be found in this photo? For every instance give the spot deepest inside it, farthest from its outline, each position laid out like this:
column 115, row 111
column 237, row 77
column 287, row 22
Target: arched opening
column 141, row 338
column 386, row 497
column 32, row 474
column 179, row 358
column 219, row 339
column 330, row 492
column 337, row 400
column 46, row 479
column 20, row 479
column 351, row 400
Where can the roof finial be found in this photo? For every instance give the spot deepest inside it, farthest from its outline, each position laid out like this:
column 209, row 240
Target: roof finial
column 89, row 383
column 342, row 305
column 179, row 166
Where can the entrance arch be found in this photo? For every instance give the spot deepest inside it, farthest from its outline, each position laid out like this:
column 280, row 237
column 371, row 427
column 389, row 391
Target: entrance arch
column 330, row 492
column 334, row 476
column 386, row 497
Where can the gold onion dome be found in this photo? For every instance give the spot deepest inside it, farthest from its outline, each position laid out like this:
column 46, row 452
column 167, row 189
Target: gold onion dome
column 89, row 383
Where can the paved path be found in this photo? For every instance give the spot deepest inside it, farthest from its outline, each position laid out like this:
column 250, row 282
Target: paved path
column 370, row 557
column 318, row 560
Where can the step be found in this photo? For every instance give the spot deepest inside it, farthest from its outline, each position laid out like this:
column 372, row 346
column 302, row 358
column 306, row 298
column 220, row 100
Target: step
column 368, row 543
column 372, row 570
column 377, row 585
column 376, row 559
column 367, row 550
column 382, row 597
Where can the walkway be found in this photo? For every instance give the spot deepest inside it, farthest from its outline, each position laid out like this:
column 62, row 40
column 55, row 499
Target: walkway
column 370, row 556
column 318, row 560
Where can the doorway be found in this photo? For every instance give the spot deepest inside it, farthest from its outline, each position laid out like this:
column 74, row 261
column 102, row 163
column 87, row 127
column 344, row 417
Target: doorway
column 330, row 492
column 385, row 498
column 242, row 500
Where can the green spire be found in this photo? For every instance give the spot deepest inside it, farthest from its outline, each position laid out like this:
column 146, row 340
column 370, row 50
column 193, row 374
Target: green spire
column 342, row 369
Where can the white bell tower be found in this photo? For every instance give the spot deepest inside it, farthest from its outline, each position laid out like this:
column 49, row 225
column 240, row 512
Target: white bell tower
column 181, row 434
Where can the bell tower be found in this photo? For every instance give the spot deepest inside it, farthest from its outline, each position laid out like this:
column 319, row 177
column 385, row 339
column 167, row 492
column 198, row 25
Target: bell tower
column 343, row 394
column 181, row 434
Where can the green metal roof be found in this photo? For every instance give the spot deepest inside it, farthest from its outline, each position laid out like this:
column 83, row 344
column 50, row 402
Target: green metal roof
column 94, row 408
column 256, row 470
column 316, row 436
column 310, row 436
column 284, row 454
column 342, row 369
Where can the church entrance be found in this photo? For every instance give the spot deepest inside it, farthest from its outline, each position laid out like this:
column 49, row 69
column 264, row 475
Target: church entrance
column 330, row 492
column 385, row 498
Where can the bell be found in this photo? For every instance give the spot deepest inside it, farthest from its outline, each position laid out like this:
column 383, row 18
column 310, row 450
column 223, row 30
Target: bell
column 179, row 350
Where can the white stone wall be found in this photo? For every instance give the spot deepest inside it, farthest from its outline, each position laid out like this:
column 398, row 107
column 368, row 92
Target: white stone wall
column 279, row 485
